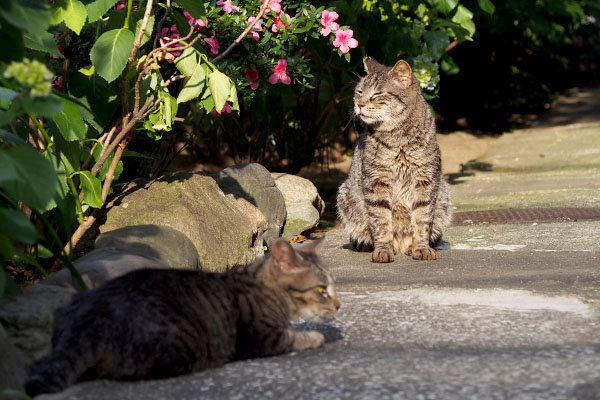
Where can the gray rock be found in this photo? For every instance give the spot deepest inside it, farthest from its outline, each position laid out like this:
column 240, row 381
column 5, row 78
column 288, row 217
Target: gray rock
column 193, row 204
column 162, row 242
column 101, row 265
column 254, row 183
column 257, row 219
column 29, row 318
column 303, row 203
column 12, row 366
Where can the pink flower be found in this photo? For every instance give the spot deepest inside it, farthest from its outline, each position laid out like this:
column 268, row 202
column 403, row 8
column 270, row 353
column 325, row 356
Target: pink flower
column 274, row 6
column 327, row 19
column 279, row 24
column 228, row 7
column 280, row 73
column 214, row 43
column 58, row 82
column 225, row 110
column 122, row 5
column 166, row 37
column 344, row 40
column 256, row 26
column 196, row 23
column 252, row 76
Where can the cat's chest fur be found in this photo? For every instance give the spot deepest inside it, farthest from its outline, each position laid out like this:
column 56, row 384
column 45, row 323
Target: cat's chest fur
column 399, row 160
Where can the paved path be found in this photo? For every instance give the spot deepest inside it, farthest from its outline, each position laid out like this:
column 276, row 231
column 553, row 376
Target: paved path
column 517, row 321
column 506, row 312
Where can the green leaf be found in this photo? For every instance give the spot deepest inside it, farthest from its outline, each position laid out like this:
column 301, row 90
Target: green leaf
column 130, row 153
column 464, row 18
column 100, row 96
column 72, row 12
column 27, row 176
column 98, row 8
column 208, row 104
column 14, row 224
column 445, row 6
column 89, row 71
column 219, row 83
column 6, row 135
column 462, row 15
column 195, row 85
column 110, row 52
column 43, row 106
column 487, row 6
column 148, row 32
column 437, row 42
column 43, row 42
column 187, row 62
column 194, row 7
column 32, row 16
column 92, row 189
column 70, row 122
column 233, row 98
column 12, row 44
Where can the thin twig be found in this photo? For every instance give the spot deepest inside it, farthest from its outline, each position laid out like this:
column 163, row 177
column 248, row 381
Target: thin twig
column 138, row 39
column 161, row 22
column 452, row 45
column 261, row 12
column 87, row 162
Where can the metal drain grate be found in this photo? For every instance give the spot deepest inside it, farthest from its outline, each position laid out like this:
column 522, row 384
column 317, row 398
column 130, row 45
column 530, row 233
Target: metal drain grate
column 526, row 215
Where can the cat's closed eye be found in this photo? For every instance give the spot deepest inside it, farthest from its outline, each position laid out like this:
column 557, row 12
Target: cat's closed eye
column 359, row 92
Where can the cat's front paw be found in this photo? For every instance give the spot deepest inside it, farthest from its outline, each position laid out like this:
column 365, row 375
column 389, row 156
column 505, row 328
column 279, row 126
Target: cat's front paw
column 423, row 253
column 307, row 340
column 382, row 255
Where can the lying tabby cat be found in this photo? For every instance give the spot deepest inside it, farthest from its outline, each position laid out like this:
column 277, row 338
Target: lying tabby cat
column 395, row 199
column 159, row 323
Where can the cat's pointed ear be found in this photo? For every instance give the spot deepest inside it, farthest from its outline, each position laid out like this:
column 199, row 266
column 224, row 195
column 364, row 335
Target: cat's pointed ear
column 314, row 246
column 371, row 65
column 285, row 256
column 402, row 74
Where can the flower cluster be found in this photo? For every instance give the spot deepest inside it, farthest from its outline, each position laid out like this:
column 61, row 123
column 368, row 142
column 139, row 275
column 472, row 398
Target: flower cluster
column 277, row 20
column 32, row 75
column 427, row 72
column 343, row 37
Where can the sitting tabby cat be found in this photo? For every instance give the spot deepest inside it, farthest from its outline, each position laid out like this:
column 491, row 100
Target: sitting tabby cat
column 159, row 323
column 395, row 198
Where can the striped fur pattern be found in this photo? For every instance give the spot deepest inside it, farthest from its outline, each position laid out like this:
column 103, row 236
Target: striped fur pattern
column 395, row 199
column 152, row 324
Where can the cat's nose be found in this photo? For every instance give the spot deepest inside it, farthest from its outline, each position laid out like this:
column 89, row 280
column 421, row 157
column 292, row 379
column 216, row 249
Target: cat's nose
column 360, row 106
column 336, row 304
